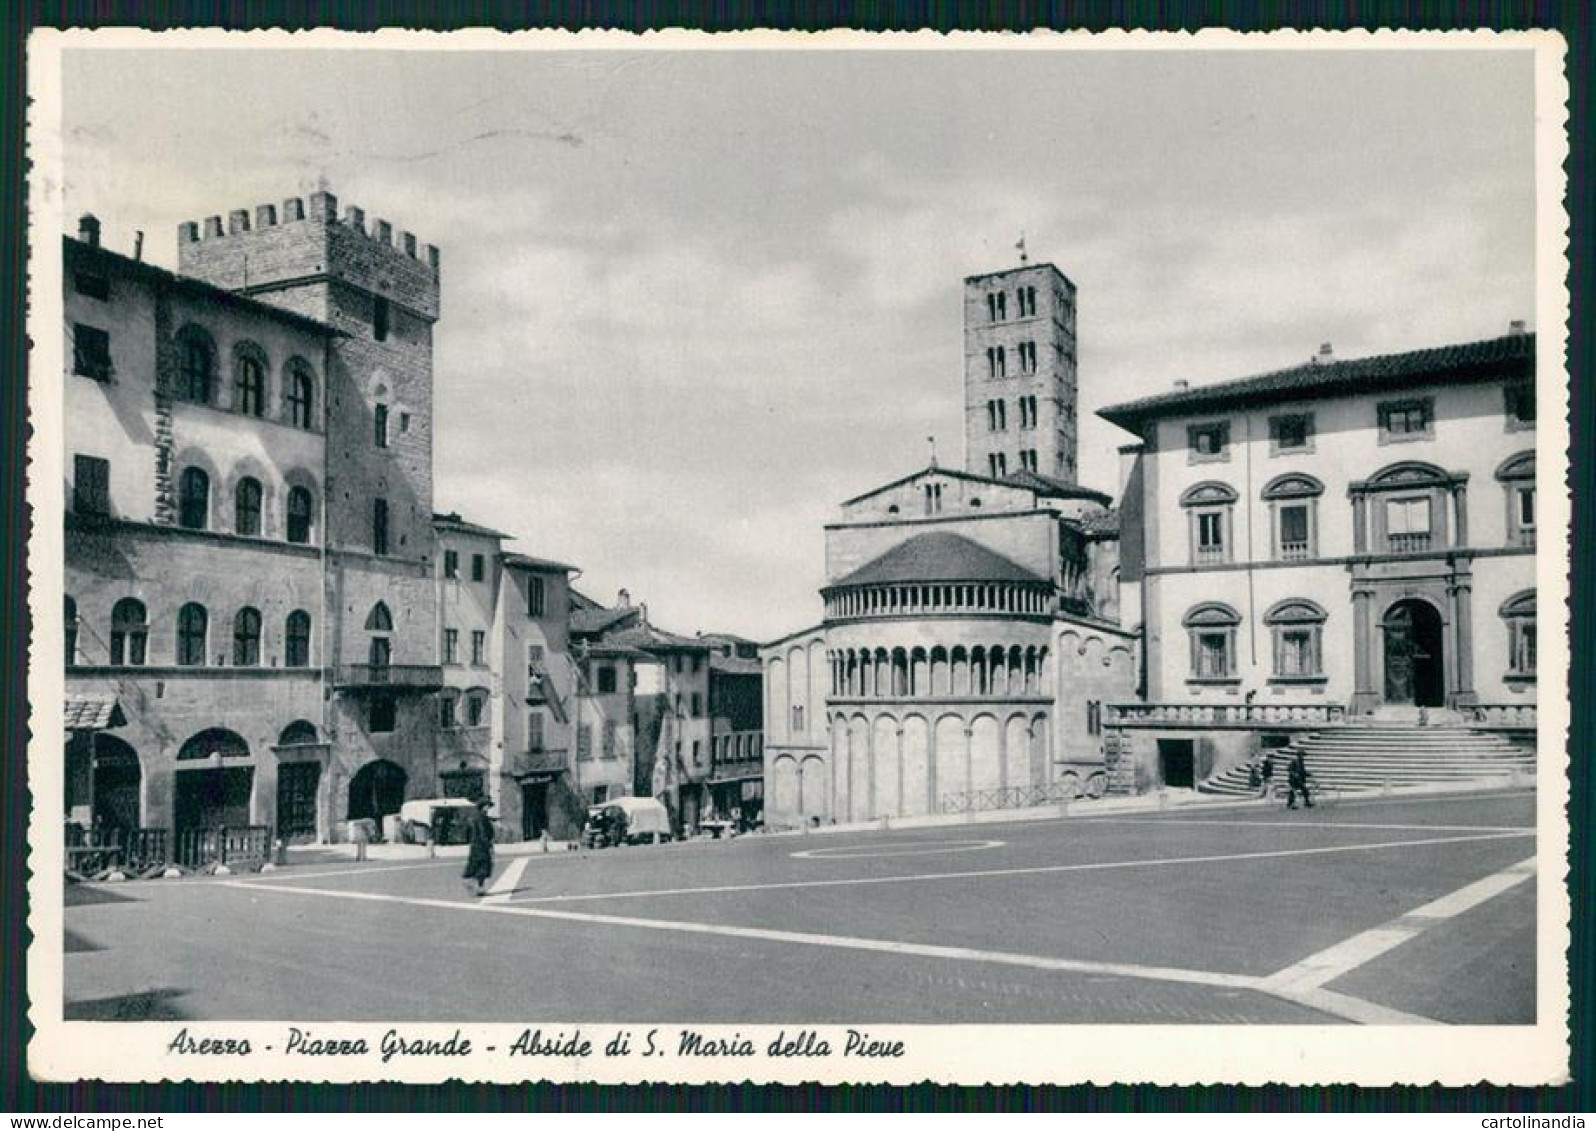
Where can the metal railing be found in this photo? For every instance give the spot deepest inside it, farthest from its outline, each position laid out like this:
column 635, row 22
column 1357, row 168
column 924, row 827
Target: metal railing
column 545, row 761
column 1069, row 787
column 239, row 846
column 417, row 677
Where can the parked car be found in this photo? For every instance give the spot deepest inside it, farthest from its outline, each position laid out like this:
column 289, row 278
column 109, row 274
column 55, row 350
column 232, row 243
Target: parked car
column 627, row 820
column 436, row 820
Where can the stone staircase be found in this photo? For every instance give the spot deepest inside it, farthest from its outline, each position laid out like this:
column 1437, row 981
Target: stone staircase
column 1369, row 756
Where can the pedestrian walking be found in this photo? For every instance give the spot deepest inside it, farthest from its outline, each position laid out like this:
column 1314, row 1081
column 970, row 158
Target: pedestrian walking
column 1297, row 782
column 479, row 857
column 1266, row 775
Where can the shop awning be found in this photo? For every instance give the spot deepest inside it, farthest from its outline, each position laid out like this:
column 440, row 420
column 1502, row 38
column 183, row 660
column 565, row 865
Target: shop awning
column 93, row 712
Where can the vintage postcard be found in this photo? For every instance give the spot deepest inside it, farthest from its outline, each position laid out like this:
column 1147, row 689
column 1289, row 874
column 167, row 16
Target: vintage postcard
column 976, row 558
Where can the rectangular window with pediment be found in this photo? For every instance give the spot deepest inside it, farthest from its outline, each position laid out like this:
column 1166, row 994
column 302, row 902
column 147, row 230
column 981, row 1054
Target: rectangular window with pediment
column 1208, row 508
column 1212, row 629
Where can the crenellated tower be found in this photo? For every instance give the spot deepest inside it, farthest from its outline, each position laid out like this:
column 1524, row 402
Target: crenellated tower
column 380, row 291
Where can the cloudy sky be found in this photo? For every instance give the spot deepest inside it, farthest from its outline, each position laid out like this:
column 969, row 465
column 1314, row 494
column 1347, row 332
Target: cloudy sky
column 692, row 301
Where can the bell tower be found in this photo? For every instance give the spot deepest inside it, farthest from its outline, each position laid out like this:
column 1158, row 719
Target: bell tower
column 1019, row 372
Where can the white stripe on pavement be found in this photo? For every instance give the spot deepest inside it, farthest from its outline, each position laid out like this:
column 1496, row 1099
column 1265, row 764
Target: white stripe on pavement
column 1333, row 962
column 500, row 890
column 1332, row 1004
column 1041, row 869
column 1315, row 825
column 369, row 870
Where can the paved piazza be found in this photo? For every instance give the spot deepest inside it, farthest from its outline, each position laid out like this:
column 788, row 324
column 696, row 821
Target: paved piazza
column 1372, row 911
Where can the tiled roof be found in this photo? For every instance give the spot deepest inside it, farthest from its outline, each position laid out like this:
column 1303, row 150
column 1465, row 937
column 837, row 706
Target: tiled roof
column 591, row 621
column 1054, row 487
column 1461, row 362
column 454, row 522
column 938, row 556
column 647, row 636
column 725, row 638
column 526, row 561
column 93, row 712
column 208, row 291
column 951, row 472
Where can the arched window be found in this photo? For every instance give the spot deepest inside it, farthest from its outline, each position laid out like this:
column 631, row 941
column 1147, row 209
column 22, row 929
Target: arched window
column 246, row 638
column 246, row 507
column 1293, row 507
column 1298, row 630
column 301, row 511
column 213, row 743
column 300, row 732
column 249, row 380
column 130, row 631
column 196, row 366
column 192, row 623
column 1517, row 476
column 71, row 623
column 194, row 501
column 1212, row 628
column 380, row 652
column 1519, row 613
column 1209, row 506
column 301, row 394
column 296, row 640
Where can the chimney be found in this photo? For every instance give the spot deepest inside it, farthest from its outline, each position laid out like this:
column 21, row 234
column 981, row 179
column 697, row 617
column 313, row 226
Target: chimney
column 138, row 245
column 1516, row 328
column 1325, row 355
column 89, row 229
column 623, row 600
column 1181, row 385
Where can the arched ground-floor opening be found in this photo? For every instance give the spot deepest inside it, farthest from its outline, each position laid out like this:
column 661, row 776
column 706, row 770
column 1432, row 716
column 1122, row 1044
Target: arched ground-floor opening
column 376, row 791
column 105, row 783
column 206, row 792
column 1415, row 654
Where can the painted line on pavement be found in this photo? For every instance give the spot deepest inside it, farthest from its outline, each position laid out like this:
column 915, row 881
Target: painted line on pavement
column 875, row 850
column 1320, row 969
column 1332, row 1004
column 1318, row 825
column 500, row 890
column 1037, row 870
column 369, row 870
column 763, row 934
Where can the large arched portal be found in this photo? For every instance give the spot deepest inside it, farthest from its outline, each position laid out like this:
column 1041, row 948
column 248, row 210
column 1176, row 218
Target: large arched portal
column 208, row 793
column 104, row 782
column 377, row 790
column 1415, row 660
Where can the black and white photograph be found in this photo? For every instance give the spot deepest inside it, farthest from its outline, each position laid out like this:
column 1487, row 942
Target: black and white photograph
column 870, row 558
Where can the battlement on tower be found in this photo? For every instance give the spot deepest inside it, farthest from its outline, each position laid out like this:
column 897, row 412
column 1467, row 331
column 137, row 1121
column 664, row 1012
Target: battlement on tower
column 306, row 240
